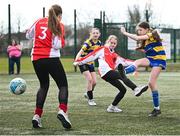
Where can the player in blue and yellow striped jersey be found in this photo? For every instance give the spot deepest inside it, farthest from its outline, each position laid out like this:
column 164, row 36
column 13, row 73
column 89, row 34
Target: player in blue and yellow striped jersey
column 88, row 70
column 152, row 46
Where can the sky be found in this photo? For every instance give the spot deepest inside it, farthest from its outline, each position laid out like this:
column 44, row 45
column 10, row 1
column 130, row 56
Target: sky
column 164, row 11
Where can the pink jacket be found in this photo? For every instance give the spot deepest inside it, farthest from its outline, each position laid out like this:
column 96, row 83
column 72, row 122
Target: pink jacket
column 14, row 51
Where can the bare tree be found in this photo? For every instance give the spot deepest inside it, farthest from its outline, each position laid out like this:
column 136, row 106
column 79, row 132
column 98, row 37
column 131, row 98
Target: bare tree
column 134, row 14
column 83, row 33
column 148, row 11
column 19, row 28
column 1, row 31
column 68, row 34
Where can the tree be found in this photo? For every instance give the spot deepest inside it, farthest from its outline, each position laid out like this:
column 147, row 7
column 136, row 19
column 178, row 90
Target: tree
column 68, row 34
column 83, row 33
column 19, row 28
column 148, row 11
column 134, row 14
column 1, row 31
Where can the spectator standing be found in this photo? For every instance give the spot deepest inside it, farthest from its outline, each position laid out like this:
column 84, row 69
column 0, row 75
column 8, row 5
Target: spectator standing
column 14, row 51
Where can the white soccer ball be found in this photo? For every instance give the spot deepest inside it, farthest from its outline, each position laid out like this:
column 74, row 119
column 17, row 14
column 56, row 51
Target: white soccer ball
column 17, row 86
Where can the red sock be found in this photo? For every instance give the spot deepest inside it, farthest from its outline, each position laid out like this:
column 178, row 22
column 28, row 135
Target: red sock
column 63, row 107
column 38, row 111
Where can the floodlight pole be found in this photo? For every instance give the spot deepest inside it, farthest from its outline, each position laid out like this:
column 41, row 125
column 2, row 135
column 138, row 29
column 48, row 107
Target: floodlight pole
column 9, row 32
column 9, row 23
column 147, row 15
column 147, row 20
column 44, row 12
column 174, row 59
column 104, row 27
column 75, row 39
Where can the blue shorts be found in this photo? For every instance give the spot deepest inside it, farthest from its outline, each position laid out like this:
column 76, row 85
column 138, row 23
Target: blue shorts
column 157, row 63
column 87, row 67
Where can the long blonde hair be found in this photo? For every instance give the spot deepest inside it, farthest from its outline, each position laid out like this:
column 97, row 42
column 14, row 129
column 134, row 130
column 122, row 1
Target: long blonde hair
column 53, row 22
column 111, row 37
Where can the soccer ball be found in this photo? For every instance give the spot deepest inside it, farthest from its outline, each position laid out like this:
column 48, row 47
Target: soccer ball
column 17, row 86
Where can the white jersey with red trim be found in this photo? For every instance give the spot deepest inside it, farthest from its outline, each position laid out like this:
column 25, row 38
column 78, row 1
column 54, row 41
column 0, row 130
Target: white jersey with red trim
column 107, row 59
column 45, row 44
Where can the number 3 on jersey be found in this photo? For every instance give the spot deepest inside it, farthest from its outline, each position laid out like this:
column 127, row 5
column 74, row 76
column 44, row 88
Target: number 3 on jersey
column 43, row 33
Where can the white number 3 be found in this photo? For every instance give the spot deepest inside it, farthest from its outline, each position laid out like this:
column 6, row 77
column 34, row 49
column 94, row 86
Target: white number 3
column 43, row 36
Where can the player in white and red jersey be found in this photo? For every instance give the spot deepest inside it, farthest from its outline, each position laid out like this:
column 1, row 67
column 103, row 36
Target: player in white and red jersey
column 108, row 62
column 46, row 44
column 48, row 37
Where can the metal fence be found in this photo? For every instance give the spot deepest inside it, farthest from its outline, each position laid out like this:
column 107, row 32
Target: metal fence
column 170, row 36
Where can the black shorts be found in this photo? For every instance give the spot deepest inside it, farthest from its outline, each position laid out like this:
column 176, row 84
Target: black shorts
column 86, row 67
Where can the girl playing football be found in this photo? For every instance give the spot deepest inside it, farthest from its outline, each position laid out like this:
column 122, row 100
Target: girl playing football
column 155, row 58
column 48, row 36
column 88, row 69
column 108, row 62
